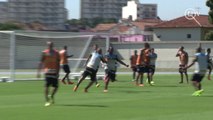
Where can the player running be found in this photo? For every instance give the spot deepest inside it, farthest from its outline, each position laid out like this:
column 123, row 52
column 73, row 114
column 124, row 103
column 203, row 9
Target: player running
column 64, row 64
column 210, row 64
column 91, row 69
column 133, row 60
column 110, row 68
column 153, row 57
column 50, row 63
column 200, row 62
column 95, row 48
column 183, row 57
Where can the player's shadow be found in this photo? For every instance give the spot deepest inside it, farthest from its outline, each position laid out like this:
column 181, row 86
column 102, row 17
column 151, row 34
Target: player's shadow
column 168, row 86
column 83, row 105
column 134, row 92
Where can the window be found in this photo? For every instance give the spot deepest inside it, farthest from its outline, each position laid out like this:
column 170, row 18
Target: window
column 189, row 36
column 159, row 36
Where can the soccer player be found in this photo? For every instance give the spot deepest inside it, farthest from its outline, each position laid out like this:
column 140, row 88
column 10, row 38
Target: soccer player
column 91, row 69
column 153, row 57
column 200, row 62
column 142, row 63
column 210, row 64
column 110, row 68
column 133, row 60
column 50, row 63
column 183, row 57
column 95, row 48
column 64, row 64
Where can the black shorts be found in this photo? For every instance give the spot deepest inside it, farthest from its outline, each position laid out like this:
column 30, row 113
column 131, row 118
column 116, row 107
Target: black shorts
column 210, row 66
column 51, row 80
column 91, row 72
column 152, row 69
column 66, row 68
column 198, row 77
column 111, row 74
column 134, row 68
column 181, row 70
column 142, row 69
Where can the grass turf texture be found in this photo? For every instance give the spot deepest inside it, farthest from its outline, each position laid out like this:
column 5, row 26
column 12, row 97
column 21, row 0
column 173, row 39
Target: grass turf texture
column 168, row 100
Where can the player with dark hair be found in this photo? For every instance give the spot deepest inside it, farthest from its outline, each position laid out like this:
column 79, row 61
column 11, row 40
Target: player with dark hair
column 143, row 62
column 133, row 60
column 50, row 64
column 110, row 68
column 64, row 64
column 200, row 62
column 210, row 64
column 183, row 57
column 91, row 69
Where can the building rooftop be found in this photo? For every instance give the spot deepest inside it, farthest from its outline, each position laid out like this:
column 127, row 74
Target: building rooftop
column 183, row 22
column 126, row 25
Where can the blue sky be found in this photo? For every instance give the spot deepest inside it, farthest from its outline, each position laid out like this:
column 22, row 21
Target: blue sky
column 167, row 9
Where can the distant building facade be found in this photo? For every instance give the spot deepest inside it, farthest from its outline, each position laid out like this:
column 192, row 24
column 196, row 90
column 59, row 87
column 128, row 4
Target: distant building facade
column 3, row 11
column 183, row 29
column 139, row 11
column 102, row 8
column 51, row 13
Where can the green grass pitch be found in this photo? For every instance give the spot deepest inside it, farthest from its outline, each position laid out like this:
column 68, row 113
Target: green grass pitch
column 167, row 100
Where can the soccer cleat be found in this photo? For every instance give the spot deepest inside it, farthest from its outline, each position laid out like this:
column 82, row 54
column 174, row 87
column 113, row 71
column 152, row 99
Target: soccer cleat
column 47, row 104
column 70, row 83
column 85, row 90
column 75, row 88
column 105, row 91
column 200, row 91
column 97, row 85
column 152, row 83
column 196, row 93
column 209, row 77
column 63, row 81
column 141, row 85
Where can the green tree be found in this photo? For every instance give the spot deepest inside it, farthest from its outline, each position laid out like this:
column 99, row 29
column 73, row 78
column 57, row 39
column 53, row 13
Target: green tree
column 209, row 36
column 90, row 22
column 209, row 3
column 9, row 26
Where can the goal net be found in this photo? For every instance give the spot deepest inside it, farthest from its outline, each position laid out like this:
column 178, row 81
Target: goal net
column 20, row 52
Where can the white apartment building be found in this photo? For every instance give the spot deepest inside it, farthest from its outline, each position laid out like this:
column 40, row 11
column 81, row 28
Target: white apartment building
column 139, row 11
column 102, row 8
column 51, row 13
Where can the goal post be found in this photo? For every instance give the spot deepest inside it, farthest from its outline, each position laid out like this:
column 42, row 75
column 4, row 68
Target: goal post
column 22, row 51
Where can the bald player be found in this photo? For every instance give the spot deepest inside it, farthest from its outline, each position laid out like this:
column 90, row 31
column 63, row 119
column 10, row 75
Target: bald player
column 50, row 63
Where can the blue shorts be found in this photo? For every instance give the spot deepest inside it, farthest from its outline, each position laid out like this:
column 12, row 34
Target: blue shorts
column 152, row 69
column 111, row 74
